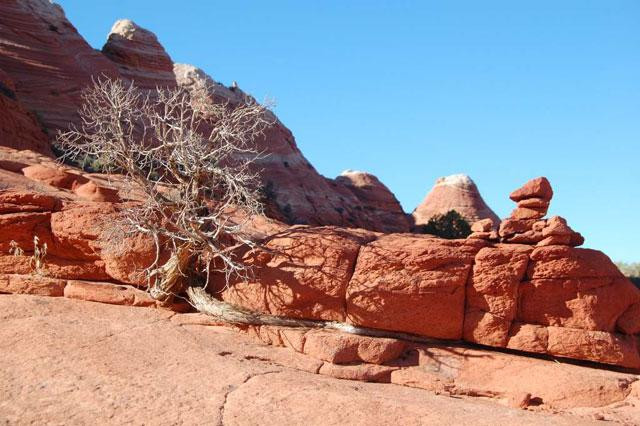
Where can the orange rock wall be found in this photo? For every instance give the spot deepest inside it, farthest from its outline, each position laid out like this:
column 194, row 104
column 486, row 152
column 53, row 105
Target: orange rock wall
column 556, row 300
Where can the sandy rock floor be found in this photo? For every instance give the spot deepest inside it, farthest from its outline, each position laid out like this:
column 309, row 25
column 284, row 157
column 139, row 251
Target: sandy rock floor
column 73, row 362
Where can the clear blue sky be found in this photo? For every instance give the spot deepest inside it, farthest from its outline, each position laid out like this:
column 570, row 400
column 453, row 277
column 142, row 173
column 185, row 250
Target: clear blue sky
column 501, row 90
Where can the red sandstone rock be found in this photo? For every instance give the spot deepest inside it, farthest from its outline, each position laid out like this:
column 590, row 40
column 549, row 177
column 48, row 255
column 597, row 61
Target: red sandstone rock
column 55, row 267
column 21, row 228
column 302, row 273
column 76, row 229
column 539, row 188
column 74, row 337
column 139, row 56
column 19, row 128
column 31, row 284
column 492, row 293
column 91, row 192
column 556, row 225
column 590, row 304
column 596, row 346
column 413, row 284
column 360, row 372
column 509, row 227
column 57, row 177
column 528, row 338
column 127, row 258
column 629, row 321
column 555, row 240
column 376, row 200
column 47, row 59
column 482, row 236
column 578, row 288
column 535, row 203
column 455, row 192
column 567, row 262
column 22, row 201
column 483, row 225
column 107, row 293
column 524, row 213
column 342, row 348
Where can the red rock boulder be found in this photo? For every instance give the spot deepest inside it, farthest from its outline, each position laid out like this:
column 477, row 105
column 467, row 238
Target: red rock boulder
column 412, row 284
column 300, row 273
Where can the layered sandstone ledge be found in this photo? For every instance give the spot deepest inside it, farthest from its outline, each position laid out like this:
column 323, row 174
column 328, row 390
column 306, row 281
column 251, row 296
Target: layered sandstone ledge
column 543, row 297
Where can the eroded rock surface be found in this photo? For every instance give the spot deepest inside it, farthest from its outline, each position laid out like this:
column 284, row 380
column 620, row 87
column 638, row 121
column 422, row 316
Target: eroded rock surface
column 551, row 299
column 48, row 61
column 195, row 373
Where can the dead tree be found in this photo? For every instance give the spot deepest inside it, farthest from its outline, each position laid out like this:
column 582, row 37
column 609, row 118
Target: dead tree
column 191, row 160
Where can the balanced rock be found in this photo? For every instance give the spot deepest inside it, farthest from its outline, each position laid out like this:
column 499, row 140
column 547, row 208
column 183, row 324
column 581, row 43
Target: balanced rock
column 539, row 188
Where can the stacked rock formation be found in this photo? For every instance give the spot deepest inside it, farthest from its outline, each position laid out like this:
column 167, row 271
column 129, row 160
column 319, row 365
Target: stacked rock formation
column 455, row 192
column 526, row 224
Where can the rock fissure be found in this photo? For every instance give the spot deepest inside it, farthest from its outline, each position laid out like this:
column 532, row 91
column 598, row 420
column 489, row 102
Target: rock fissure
column 232, row 388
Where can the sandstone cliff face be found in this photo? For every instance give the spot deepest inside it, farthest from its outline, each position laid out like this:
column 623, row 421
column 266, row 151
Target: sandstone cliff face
column 47, row 59
column 455, row 192
column 18, row 127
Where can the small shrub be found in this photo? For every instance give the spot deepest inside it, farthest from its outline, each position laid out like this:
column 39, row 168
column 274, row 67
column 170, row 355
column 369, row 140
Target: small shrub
column 37, row 260
column 450, row 225
column 15, row 249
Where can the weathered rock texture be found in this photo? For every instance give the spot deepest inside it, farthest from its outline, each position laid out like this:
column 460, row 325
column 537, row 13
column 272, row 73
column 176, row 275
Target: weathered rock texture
column 18, row 127
column 550, row 299
column 455, row 192
column 79, row 362
column 48, row 61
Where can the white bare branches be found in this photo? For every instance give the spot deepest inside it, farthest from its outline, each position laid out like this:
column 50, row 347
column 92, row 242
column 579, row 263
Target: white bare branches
column 190, row 157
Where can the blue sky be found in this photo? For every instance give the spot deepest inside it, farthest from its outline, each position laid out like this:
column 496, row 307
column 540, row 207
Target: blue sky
column 500, row 90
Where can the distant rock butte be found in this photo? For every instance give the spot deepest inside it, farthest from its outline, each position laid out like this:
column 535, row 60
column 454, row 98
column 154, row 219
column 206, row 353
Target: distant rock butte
column 456, row 192
column 139, row 55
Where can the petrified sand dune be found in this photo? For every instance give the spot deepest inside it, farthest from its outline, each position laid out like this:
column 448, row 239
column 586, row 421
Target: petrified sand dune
column 455, row 192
